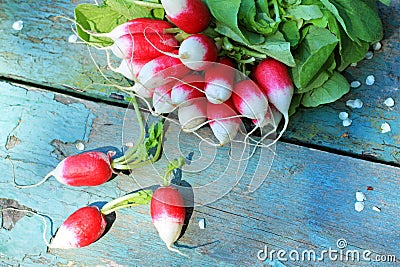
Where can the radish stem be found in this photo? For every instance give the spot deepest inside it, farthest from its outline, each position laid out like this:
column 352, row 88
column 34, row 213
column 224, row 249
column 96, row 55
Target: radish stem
column 134, row 199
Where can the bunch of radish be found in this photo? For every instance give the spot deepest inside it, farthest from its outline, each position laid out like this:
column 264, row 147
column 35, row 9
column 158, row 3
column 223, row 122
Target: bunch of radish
column 189, row 75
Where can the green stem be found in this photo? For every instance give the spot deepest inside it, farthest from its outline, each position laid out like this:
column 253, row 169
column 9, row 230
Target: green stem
column 173, row 165
column 131, row 200
column 133, row 164
column 131, row 151
column 147, row 4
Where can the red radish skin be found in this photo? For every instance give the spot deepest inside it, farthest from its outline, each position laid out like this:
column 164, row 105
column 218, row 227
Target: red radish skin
column 197, row 51
column 156, row 72
column 189, row 87
column 224, row 129
column 140, row 46
column 162, row 102
column 138, row 25
column 191, row 16
column 85, row 169
column 80, row 229
column 250, row 100
column 219, row 79
column 273, row 77
column 168, row 213
column 193, row 114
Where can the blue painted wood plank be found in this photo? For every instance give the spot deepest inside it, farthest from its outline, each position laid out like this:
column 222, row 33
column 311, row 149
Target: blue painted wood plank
column 306, row 200
column 41, row 54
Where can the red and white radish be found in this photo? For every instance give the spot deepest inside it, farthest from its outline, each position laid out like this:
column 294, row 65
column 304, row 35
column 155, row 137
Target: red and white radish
column 273, row 77
column 86, row 169
column 249, row 99
column 219, row 78
column 168, row 214
column 157, row 72
column 130, row 68
column 197, row 51
column 191, row 16
column 143, row 46
column 189, row 87
column 193, row 114
column 134, row 26
column 162, row 102
column 222, row 125
column 80, row 229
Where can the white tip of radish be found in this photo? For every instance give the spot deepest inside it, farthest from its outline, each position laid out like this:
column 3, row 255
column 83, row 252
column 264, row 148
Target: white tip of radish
column 192, row 115
column 64, row 239
column 123, row 46
column 218, row 91
column 168, row 229
column 197, row 51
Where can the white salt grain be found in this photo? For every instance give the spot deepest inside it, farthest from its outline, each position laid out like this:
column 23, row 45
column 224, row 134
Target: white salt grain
column 356, row 103
column 80, row 146
column 343, row 115
column 129, row 144
column 353, row 64
column 355, row 84
column 375, row 208
column 202, row 223
column 347, row 122
column 377, row 46
column 18, row 25
column 72, row 38
column 360, row 196
column 389, row 102
column 385, row 127
column 369, row 55
column 359, row 206
column 370, row 80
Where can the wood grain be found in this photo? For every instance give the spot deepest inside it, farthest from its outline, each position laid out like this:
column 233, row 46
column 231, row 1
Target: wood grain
column 40, row 54
column 306, row 201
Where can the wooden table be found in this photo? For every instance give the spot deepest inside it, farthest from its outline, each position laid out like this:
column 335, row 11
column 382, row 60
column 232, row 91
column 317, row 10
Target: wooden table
column 52, row 99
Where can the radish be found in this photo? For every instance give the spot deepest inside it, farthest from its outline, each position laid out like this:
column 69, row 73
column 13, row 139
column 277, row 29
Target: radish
column 191, row 16
column 219, row 80
column 80, row 229
column 168, row 213
column 138, row 25
column 130, row 68
column 223, row 127
column 249, row 100
column 167, row 208
column 191, row 86
column 86, row 169
column 140, row 46
column 155, row 72
column 162, row 102
column 197, row 51
column 274, row 79
column 193, row 114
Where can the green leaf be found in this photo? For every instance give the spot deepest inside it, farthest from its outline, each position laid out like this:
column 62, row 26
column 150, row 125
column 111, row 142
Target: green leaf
column 290, row 31
column 226, row 12
column 312, row 54
column 332, row 90
column 276, row 47
column 305, row 12
column 105, row 17
column 358, row 19
column 321, row 77
column 255, row 16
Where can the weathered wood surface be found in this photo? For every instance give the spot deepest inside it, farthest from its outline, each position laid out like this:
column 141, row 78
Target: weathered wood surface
column 41, row 54
column 305, row 203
